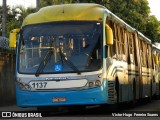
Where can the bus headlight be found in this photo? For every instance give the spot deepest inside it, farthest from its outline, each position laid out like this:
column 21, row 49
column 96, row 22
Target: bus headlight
column 91, row 84
column 23, row 86
column 98, row 83
column 95, row 83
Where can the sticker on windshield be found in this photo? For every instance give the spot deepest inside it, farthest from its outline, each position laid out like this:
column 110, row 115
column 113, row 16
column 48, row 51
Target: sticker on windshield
column 57, row 68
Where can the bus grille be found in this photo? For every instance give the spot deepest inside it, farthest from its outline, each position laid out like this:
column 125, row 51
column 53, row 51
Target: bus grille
column 111, row 99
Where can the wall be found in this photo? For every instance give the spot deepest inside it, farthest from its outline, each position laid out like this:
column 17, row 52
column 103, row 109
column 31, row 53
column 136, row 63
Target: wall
column 7, row 78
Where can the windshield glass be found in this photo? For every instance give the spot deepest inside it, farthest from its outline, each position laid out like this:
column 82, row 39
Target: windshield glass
column 60, row 47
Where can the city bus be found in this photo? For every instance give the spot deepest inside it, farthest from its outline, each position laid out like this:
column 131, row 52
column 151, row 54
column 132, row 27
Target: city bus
column 79, row 55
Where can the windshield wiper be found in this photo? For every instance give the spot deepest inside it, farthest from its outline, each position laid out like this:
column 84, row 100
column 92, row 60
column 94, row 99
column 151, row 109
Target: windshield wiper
column 44, row 61
column 67, row 60
column 47, row 58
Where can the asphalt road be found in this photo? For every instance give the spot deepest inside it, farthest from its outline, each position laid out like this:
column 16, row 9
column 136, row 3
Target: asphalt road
column 141, row 110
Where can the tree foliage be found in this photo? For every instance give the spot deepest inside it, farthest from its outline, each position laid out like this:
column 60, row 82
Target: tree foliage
column 153, row 29
column 134, row 12
column 15, row 17
column 0, row 20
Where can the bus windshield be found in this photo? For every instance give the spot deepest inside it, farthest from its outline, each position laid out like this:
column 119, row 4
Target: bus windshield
column 60, row 47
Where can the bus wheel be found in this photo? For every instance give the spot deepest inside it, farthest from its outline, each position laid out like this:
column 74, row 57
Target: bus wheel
column 76, row 108
column 150, row 97
column 159, row 89
column 47, row 109
column 158, row 94
column 117, row 91
column 133, row 102
column 134, row 90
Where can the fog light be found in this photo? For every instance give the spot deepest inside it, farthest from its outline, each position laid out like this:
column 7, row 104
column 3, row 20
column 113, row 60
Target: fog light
column 21, row 86
column 98, row 83
column 91, row 84
column 27, row 87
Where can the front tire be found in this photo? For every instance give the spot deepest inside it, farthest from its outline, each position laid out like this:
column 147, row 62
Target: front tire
column 76, row 108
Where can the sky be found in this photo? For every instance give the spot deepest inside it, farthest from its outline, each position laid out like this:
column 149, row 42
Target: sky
column 155, row 8
column 26, row 3
column 154, row 5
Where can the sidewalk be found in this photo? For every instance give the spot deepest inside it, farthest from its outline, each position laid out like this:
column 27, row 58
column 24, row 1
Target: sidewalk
column 15, row 108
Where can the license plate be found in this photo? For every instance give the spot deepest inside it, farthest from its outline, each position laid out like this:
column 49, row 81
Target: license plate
column 38, row 84
column 59, row 99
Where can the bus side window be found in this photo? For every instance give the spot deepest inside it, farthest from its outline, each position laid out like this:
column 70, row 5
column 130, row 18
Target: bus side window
column 141, row 52
column 149, row 57
column 123, row 45
column 133, row 60
column 134, row 44
column 113, row 47
column 144, row 53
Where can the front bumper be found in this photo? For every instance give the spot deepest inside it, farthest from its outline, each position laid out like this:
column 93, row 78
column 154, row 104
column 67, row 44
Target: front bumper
column 90, row 96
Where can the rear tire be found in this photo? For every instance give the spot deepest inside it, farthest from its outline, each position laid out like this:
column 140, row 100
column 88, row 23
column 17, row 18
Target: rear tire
column 133, row 102
column 159, row 90
column 150, row 97
column 117, row 91
column 134, row 91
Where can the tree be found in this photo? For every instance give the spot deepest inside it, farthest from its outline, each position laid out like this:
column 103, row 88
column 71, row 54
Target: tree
column 152, row 29
column 23, row 12
column 136, row 14
column 15, row 17
column 0, row 20
column 44, row 3
column 133, row 12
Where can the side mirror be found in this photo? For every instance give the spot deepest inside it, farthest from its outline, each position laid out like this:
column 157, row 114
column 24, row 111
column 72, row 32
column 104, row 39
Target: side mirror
column 109, row 35
column 156, row 59
column 13, row 38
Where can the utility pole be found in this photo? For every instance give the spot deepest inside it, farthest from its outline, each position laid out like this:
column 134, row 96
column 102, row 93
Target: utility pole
column 37, row 5
column 62, row 1
column 4, row 19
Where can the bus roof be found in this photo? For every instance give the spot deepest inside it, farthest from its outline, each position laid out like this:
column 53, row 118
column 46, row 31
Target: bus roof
column 66, row 12
column 127, row 26
column 156, row 47
column 75, row 12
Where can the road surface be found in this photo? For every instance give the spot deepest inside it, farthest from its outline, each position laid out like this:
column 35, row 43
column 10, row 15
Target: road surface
column 141, row 110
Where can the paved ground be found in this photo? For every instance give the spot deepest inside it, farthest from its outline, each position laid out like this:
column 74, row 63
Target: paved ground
column 97, row 112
